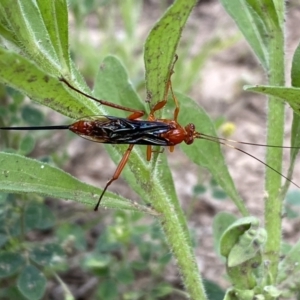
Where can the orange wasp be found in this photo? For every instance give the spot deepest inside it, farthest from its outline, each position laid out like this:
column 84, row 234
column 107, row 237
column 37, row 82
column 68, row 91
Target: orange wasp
column 133, row 131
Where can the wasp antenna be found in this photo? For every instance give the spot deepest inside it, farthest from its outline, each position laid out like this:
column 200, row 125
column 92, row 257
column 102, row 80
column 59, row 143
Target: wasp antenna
column 54, row 127
column 201, row 135
column 217, row 140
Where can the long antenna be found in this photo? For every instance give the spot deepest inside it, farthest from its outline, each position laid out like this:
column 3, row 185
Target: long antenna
column 245, row 143
column 217, row 140
column 54, row 127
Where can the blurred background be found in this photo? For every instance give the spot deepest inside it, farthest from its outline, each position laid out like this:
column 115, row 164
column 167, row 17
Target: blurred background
column 120, row 255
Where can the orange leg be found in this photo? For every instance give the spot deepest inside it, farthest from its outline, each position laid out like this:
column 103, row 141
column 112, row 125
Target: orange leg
column 135, row 113
column 116, row 175
column 176, row 111
column 159, row 105
column 150, row 151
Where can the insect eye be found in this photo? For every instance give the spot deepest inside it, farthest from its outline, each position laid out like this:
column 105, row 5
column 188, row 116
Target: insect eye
column 190, row 129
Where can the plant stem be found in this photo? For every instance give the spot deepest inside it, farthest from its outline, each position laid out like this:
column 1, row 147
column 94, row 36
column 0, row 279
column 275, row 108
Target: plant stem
column 275, row 134
column 176, row 232
column 179, row 241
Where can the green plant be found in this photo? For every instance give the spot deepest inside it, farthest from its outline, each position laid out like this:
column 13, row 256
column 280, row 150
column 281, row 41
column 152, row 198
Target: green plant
column 47, row 48
column 264, row 30
column 34, row 53
column 24, row 264
column 152, row 257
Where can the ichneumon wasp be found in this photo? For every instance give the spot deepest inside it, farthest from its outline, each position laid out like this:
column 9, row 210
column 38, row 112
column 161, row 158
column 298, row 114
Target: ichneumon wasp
column 134, row 131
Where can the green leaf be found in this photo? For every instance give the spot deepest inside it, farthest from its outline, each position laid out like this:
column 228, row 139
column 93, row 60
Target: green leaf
column 12, row 292
column 295, row 142
column 295, row 72
column 267, row 13
column 46, row 218
column 72, row 233
column 38, row 216
column 10, row 222
column 220, row 223
column 165, row 259
column 206, row 153
column 125, row 275
column 112, row 83
column 3, row 198
column 249, row 245
column 213, row 290
column 293, row 197
column 289, row 267
column 233, row 233
column 145, row 250
column 241, row 293
column 107, row 290
column 285, row 248
column 97, row 261
column 288, row 94
column 290, row 213
column 45, row 255
column 26, row 145
column 218, row 194
column 23, row 20
column 23, row 175
column 55, row 17
column 5, row 30
column 32, row 116
column 107, row 242
column 32, row 283
column 252, row 26
column 3, row 239
column 10, row 263
column 295, row 138
column 241, row 244
column 161, row 45
column 162, row 290
column 199, row 189
column 273, row 291
column 140, row 265
column 23, row 75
